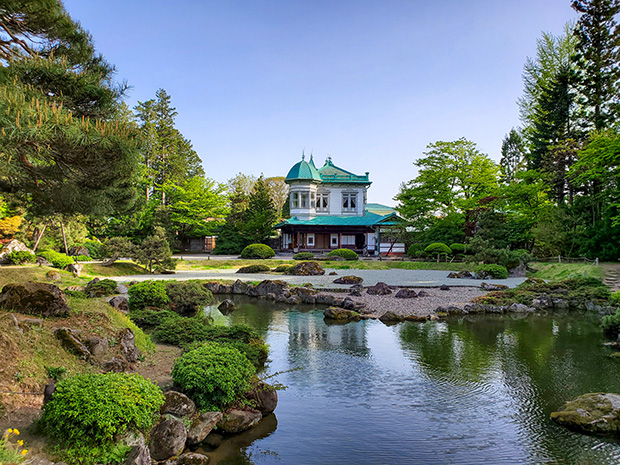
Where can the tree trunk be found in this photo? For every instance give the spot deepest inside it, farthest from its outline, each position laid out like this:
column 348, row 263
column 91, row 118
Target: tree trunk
column 64, row 236
column 110, row 261
column 36, row 244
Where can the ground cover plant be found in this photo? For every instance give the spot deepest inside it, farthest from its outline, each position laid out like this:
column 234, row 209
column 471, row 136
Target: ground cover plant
column 57, row 259
column 18, row 257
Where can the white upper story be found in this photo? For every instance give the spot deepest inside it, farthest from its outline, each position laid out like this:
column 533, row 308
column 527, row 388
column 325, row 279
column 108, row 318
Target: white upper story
column 326, row 191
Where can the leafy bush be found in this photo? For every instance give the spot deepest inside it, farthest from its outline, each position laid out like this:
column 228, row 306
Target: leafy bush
column 347, row 254
column 282, row 268
column 303, row 256
column 415, row 251
column 611, row 324
column 101, row 288
column 57, row 259
column 493, row 271
column 213, row 375
column 82, row 258
column 151, row 317
column 18, row 257
column 254, row 269
column 94, row 408
column 96, row 249
column 437, row 248
column 260, row 251
column 614, row 299
column 148, row 294
column 458, row 248
column 187, row 296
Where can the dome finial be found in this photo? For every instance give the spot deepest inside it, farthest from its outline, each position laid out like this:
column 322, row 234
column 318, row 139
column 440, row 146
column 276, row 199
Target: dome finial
column 303, row 154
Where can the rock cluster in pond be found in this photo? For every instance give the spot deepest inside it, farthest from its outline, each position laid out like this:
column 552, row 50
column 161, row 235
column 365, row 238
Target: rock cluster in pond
column 306, row 269
column 594, row 413
column 182, row 427
column 32, row 298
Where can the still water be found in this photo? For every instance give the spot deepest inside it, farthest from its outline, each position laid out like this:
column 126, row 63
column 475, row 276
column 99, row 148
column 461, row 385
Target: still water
column 474, row 390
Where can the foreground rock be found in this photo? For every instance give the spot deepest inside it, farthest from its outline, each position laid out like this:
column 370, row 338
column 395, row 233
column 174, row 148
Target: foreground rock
column 237, row 421
column 226, row 307
column 493, row 287
column 202, row 426
column 406, row 294
column 167, row 439
column 595, row 413
column 13, row 246
column 177, row 404
column 42, row 299
column 70, row 340
column 379, row 289
column 264, row 398
column 306, row 269
column 192, row 458
column 128, row 345
column 121, row 303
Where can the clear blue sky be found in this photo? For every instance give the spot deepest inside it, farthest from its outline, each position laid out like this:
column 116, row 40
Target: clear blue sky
column 371, row 83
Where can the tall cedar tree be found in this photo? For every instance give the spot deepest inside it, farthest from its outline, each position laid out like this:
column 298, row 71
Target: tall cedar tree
column 598, row 59
column 513, row 154
column 67, row 148
column 261, row 214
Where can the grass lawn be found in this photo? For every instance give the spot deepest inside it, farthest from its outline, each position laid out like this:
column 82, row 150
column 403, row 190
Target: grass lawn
column 561, row 271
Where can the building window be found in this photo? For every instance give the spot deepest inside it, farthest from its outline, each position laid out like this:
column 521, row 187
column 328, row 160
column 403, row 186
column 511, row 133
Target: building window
column 322, row 203
column 310, row 240
column 303, row 200
column 349, row 202
column 294, row 200
column 347, row 239
column 333, row 241
column 312, row 200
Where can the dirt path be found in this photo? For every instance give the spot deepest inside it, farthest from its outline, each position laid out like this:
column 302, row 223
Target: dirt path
column 158, row 365
column 611, row 275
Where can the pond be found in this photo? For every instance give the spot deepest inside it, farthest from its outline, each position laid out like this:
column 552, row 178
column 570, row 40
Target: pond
column 465, row 391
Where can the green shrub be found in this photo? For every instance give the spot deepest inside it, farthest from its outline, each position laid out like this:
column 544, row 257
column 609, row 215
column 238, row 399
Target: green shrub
column 183, row 330
column 101, row 288
column 458, row 248
column 148, row 294
column 214, row 376
column 415, row 251
column 254, row 269
column 96, row 250
column 493, row 271
column 83, row 258
column 96, row 408
column 347, row 254
column 437, row 248
column 187, row 296
column 57, row 259
column 260, row 251
column 151, row 317
column 614, row 299
column 18, row 257
column 611, row 324
column 303, row 256
column 282, row 268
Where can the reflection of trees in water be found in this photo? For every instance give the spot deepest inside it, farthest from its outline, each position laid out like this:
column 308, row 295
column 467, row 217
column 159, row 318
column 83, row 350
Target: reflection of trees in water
column 540, row 362
column 234, row 450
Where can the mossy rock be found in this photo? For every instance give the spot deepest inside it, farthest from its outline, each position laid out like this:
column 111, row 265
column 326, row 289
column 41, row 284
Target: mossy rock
column 594, row 413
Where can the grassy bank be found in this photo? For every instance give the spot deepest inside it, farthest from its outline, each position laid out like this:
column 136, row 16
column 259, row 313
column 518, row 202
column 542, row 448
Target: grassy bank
column 562, row 271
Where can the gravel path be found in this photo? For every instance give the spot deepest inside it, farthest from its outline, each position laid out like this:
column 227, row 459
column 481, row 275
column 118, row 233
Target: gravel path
column 392, row 277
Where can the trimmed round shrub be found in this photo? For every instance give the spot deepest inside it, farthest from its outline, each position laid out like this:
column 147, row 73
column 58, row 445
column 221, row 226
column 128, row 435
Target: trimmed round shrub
column 254, row 269
column 437, row 248
column 259, row 251
column 148, row 294
column 95, row 249
column 57, row 259
column 493, row 271
column 347, row 254
column 19, row 257
column 213, row 375
column 303, row 256
column 96, row 408
column 101, row 288
column 188, row 296
column 458, row 248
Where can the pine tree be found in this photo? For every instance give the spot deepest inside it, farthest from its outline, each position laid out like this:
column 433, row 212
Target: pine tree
column 513, row 155
column 260, row 215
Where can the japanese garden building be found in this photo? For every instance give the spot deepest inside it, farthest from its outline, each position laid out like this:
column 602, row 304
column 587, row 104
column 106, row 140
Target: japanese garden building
column 329, row 210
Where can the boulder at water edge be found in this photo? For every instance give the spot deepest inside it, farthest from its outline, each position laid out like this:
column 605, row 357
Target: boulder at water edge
column 202, row 426
column 595, row 413
column 264, row 396
column 167, row 439
column 237, row 421
column 336, row 313
column 177, row 404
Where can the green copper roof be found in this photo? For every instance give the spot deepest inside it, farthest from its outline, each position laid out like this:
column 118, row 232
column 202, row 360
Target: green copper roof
column 369, row 219
column 379, row 209
column 303, row 171
column 331, row 173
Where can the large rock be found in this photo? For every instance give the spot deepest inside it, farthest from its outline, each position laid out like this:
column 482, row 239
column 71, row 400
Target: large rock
column 406, row 294
column 128, row 345
column 237, row 421
column 79, row 250
column 31, row 298
column 226, row 307
column 167, row 439
column 178, row 404
column 97, row 345
column 212, row 286
column 120, row 302
column 335, row 313
column 519, row 271
column 239, row 287
column 192, row 458
column 542, row 302
column 306, row 269
column 71, row 341
column 594, row 413
column 75, row 269
column 115, row 365
column 138, row 455
column 264, row 397
column 307, row 296
column 202, row 426
column 461, row 275
column 349, row 280
column 325, row 299
column 53, row 275
column 379, row 289
column 272, row 287
column 493, row 287
column 391, row 317
column 12, row 246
